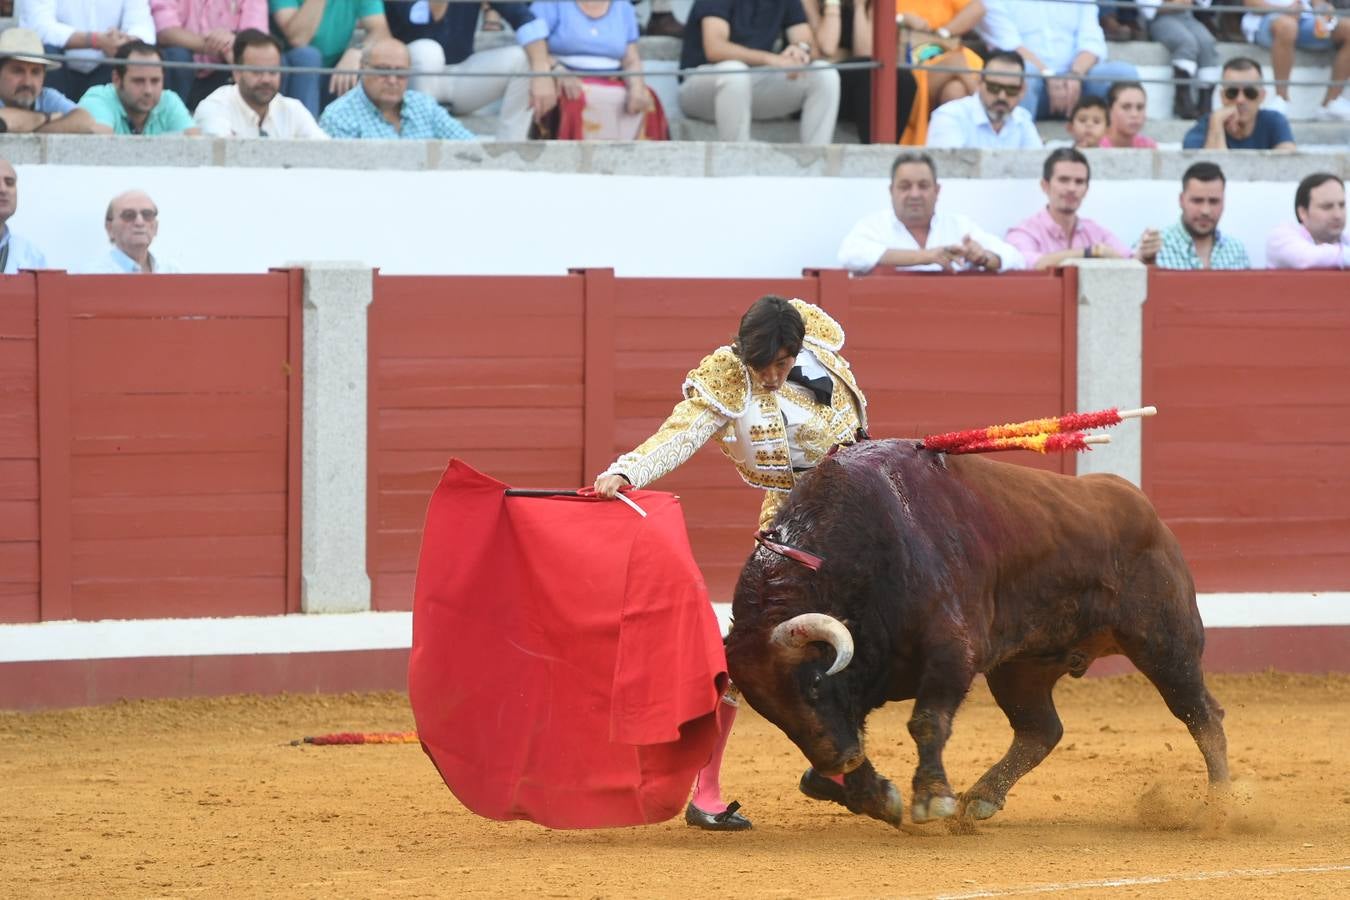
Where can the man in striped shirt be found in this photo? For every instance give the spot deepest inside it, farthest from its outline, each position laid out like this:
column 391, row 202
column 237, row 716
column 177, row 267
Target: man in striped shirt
column 1195, row 242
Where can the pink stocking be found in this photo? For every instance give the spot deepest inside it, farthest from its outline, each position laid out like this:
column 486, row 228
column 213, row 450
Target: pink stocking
column 708, row 782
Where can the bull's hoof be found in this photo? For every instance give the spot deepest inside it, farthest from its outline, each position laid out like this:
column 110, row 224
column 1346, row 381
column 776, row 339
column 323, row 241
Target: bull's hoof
column 981, row 809
column 819, row 787
column 933, row 809
column 893, row 812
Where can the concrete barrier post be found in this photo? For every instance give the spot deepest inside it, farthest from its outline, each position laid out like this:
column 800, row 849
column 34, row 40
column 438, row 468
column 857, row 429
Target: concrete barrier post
column 333, row 576
column 1111, row 294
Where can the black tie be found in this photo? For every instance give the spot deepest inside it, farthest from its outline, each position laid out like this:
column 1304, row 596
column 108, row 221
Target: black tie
column 823, row 388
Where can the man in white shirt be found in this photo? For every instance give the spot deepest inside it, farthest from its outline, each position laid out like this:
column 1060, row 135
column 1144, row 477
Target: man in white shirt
column 132, row 224
column 91, row 31
column 253, row 105
column 16, row 252
column 991, row 118
column 1318, row 239
column 1063, row 43
column 912, row 235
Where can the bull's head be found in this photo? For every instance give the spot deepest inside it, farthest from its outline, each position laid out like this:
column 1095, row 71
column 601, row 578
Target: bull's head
column 790, row 672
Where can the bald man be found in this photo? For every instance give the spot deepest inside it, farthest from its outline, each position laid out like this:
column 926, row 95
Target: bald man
column 385, row 107
column 15, row 252
column 132, row 223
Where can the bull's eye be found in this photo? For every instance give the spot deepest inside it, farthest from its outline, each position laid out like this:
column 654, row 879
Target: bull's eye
column 813, row 686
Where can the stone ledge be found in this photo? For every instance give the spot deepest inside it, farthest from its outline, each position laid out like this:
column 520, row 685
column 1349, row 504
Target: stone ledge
column 679, row 158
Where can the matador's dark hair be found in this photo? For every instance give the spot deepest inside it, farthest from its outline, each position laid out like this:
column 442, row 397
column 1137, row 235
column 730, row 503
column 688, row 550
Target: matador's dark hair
column 770, row 326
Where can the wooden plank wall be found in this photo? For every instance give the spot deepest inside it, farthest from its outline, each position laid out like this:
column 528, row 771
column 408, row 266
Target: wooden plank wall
column 19, row 512
column 178, row 465
column 486, row 369
column 1249, row 459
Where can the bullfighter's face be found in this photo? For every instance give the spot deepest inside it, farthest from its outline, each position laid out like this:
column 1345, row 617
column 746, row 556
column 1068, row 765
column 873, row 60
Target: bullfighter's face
column 774, row 375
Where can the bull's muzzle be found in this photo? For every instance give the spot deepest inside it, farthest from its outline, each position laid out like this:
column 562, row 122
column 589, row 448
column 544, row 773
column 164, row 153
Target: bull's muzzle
column 801, row 630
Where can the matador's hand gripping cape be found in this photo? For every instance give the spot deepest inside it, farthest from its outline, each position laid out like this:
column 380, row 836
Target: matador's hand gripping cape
column 566, row 663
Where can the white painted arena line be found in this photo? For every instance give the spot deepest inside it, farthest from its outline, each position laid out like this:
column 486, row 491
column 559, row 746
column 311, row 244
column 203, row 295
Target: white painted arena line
column 318, row 633
column 1135, row 881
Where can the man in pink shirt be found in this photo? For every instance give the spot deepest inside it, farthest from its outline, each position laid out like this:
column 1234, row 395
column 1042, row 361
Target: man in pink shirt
column 204, row 31
column 1318, row 240
column 1057, row 233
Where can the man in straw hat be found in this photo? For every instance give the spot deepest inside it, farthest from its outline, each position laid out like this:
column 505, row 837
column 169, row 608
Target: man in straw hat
column 26, row 104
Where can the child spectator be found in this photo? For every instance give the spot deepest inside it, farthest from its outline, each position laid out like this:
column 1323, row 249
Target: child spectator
column 1126, row 109
column 1087, row 122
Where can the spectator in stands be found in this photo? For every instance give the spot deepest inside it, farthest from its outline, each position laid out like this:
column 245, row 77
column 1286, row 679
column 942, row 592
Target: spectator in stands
column 1057, row 233
column 843, row 33
column 1087, row 122
column 1195, row 242
column 92, row 32
column 319, row 33
column 992, row 117
column 1194, row 51
column 16, row 251
column 930, row 39
column 440, row 40
column 727, row 38
column 252, row 105
column 132, row 223
column 1318, row 239
column 662, row 22
column 204, row 31
column 1240, row 123
column 586, row 40
column 1307, row 25
column 1063, row 42
column 26, row 105
column 912, row 235
column 1127, row 109
column 385, row 108
column 136, row 102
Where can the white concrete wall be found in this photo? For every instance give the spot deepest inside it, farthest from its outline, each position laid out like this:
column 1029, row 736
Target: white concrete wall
column 238, row 219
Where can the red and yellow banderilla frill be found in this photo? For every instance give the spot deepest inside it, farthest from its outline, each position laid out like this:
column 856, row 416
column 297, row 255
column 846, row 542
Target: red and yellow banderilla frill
column 1050, row 434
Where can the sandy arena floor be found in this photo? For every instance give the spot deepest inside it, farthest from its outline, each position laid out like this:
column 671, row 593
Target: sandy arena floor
column 208, row 798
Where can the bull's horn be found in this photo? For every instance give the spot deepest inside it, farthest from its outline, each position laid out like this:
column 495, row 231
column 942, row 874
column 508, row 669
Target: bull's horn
column 800, row 630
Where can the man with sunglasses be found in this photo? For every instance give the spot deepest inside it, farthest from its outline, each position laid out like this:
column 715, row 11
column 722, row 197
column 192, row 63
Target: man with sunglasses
column 132, row 223
column 1240, row 123
column 992, row 118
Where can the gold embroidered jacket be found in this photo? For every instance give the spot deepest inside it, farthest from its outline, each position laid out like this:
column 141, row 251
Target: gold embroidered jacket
column 721, row 398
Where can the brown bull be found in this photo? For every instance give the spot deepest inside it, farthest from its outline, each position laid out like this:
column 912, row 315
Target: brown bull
column 934, row 568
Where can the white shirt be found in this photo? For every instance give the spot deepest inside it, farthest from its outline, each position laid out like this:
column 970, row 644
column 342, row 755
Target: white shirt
column 882, row 231
column 56, row 20
column 22, row 253
column 223, row 113
column 1056, row 32
column 115, row 262
column 965, row 123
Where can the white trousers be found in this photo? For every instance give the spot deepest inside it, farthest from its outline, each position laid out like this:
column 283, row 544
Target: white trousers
column 732, row 99
column 468, row 94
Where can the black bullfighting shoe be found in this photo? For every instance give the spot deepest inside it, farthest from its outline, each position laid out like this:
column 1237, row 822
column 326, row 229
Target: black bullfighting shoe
column 818, row 787
column 730, row 820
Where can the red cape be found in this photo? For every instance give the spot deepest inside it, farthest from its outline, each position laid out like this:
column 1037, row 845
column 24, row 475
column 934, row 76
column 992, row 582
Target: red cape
column 566, row 663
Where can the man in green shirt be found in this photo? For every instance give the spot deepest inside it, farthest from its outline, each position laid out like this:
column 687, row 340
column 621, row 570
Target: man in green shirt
column 327, row 26
column 136, row 102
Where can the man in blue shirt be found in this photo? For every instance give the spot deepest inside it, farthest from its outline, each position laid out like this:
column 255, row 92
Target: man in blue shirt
column 991, row 119
column 26, row 104
column 440, row 41
column 136, row 102
column 384, row 107
column 15, row 251
column 1241, row 124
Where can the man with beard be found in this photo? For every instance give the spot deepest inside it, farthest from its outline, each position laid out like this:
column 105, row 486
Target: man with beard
column 1240, row 123
column 136, row 102
column 990, row 118
column 912, row 235
column 1057, row 233
column 1196, row 242
column 26, row 104
column 1318, row 239
column 253, row 106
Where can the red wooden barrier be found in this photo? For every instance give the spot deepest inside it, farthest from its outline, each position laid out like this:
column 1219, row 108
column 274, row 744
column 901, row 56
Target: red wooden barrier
column 543, row 381
column 168, row 474
column 1249, row 463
